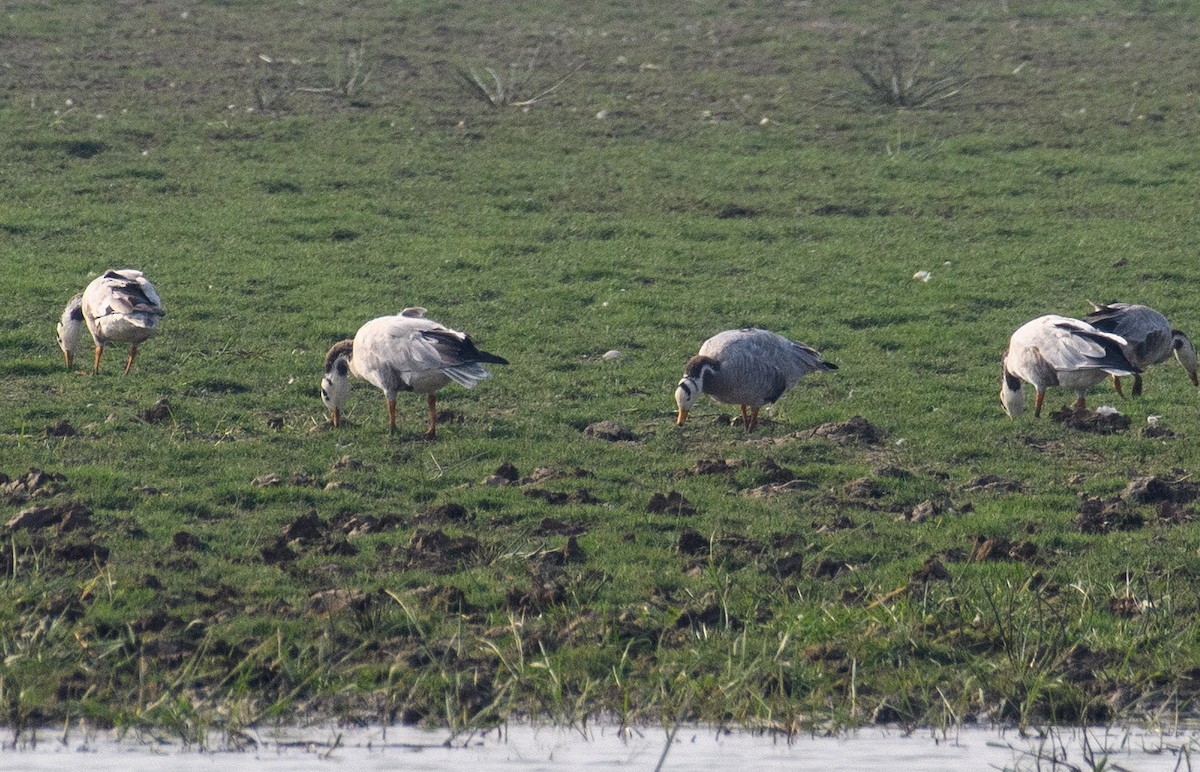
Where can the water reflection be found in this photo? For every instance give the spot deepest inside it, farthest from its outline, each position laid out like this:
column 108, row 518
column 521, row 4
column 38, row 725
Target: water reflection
column 532, row 749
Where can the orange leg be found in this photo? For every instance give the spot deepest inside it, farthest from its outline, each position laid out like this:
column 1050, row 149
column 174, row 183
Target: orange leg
column 431, row 433
column 1037, row 404
column 96, row 366
column 1117, row 386
column 1081, row 404
column 745, row 418
column 132, row 354
column 391, row 416
column 753, row 418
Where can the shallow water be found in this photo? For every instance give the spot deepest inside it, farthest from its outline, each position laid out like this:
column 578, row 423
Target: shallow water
column 533, row 749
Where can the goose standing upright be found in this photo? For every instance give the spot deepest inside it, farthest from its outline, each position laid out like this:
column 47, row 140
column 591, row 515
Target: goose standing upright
column 117, row 307
column 1151, row 338
column 1059, row 351
column 406, row 352
column 747, row 367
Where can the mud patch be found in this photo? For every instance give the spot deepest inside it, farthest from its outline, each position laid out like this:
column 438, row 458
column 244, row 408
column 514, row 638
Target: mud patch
column 999, row 548
column 445, row 598
column 1084, row 420
column 827, row 568
column 610, row 431
column 61, row 429
column 692, row 542
column 1152, row 489
column 713, row 466
column 450, row 512
column 558, row 498
column 157, row 414
column 672, row 503
column 35, row 483
column 439, row 553
column 551, row 527
column 67, row 516
column 1097, row 515
column 994, row 484
column 932, row 570
column 855, row 431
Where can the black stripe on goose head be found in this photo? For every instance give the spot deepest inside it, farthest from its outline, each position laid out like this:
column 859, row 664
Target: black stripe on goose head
column 695, row 366
column 339, row 355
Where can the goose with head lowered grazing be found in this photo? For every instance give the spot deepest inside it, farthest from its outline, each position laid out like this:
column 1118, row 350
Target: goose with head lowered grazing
column 1059, row 351
column 1150, row 336
column 406, row 352
column 117, row 307
column 747, row 367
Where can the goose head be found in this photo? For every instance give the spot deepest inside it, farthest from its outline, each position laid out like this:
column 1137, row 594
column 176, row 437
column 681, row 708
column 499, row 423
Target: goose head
column 1185, row 352
column 692, row 384
column 1012, row 392
column 70, row 327
column 335, row 385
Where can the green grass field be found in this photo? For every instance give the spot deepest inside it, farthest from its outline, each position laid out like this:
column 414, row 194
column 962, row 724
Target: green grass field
column 284, row 172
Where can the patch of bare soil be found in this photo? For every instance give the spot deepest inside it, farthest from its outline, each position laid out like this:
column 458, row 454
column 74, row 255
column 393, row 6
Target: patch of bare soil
column 854, row 431
column 1152, row 489
column 827, row 568
column 993, row 483
column 1097, row 515
column 1000, row 548
column 33, row 484
column 160, row 412
column 543, row 593
column 610, row 431
column 61, row 429
column 330, row 602
column 672, row 503
column 63, row 516
column 710, row 615
column 450, row 512
column 443, row 597
column 552, row 527
column 713, row 466
column 1084, row 420
column 440, row 553
column 559, row 498
column 931, row 570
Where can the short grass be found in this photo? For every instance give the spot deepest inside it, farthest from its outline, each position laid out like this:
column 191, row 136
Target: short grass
column 286, row 172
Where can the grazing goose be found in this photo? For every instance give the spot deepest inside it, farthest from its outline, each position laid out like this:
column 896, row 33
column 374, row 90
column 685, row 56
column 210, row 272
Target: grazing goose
column 1151, row 339
column 747, row 367
column 406, row 352
column 117, row 307
column 1058, row 351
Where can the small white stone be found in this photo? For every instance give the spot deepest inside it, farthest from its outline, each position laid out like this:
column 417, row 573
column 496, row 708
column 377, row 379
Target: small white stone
column 611, row 354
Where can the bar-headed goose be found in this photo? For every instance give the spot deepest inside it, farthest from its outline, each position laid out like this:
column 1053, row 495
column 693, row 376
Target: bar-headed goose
column 1059, row 351
column 117, row 307
column 747, row 367
column 1151, row 339
column 406, row 352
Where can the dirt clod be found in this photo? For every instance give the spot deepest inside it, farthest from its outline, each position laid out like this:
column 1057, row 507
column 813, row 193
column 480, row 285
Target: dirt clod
column 160, row 412
column 672, row 503
column 66, row 516
column 931, row 570
column 439, row 552
column 610, row 431
column 1097, row 515
column 854, row 431
column 692, row 542
column 61, row 429
column 1084, row 420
